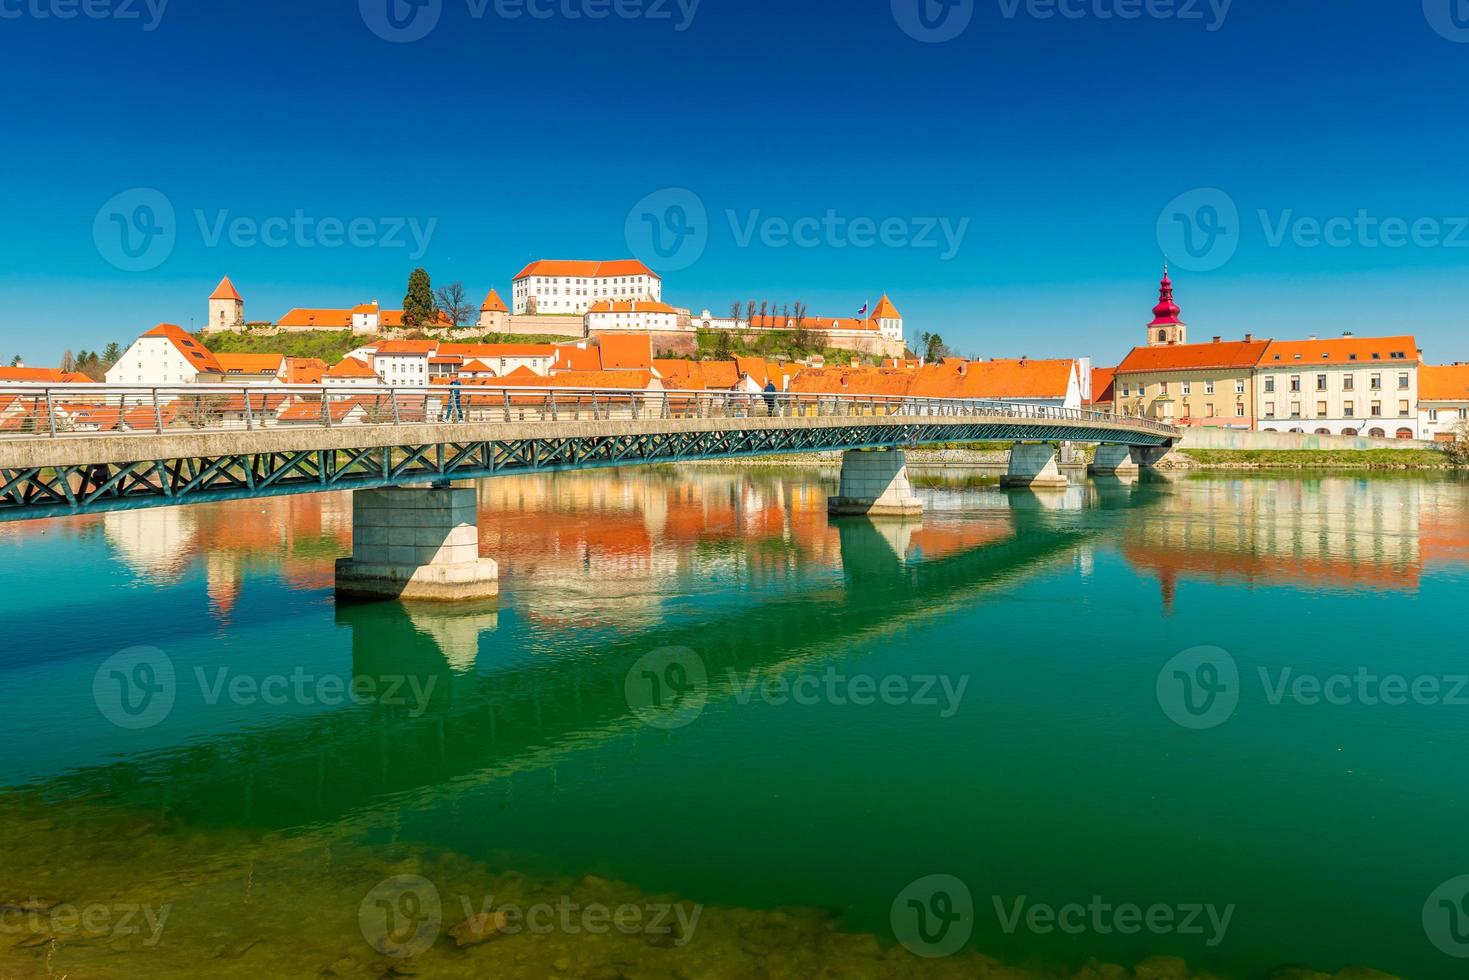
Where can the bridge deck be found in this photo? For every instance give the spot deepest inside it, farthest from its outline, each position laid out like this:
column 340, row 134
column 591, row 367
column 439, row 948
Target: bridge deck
column 44, row 475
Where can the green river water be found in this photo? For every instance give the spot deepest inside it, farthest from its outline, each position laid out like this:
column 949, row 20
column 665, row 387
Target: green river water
column 1203, row 726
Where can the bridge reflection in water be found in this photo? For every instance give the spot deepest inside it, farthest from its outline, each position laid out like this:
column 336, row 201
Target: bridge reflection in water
column 526, row 755
column 485, row 718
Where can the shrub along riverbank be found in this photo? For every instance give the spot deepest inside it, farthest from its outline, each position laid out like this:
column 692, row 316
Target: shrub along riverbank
column 1315, row 459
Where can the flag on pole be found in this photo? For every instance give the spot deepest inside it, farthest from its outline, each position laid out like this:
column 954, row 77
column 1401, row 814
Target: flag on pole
column 863, row 311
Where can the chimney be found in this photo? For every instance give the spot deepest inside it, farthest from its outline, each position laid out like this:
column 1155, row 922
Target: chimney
column 1312, row 337
column 1218, row 339
column 963, row 369
column 1249, row 337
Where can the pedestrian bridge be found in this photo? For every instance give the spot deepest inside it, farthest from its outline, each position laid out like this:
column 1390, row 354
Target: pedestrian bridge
column 82, row 449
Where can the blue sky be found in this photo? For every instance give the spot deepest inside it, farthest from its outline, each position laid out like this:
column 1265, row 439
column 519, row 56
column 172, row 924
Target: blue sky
column 1063, row 145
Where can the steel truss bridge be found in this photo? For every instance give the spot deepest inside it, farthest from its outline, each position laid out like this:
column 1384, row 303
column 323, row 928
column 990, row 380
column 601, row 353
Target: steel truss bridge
column 83, row 449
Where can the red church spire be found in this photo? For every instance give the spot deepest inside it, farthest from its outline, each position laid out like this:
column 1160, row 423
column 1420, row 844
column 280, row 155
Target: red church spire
column 1165, row 314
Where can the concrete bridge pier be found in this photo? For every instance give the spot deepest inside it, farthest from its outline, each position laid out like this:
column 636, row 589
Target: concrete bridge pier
column 1033, row 466
column 1126, row 460
column 875, row 484
column 416, row 543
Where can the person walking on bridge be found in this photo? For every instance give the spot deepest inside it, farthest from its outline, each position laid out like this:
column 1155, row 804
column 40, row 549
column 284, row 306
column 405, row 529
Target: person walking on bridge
column 452, row 406
column 769, row 397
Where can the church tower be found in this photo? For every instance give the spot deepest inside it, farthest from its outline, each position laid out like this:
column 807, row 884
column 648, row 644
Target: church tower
column 1166, row 327
column 226, row 308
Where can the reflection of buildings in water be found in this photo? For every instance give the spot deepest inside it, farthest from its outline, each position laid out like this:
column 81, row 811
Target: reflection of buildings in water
column 454, row 629
column 1322, row 533
column 1443, row 533
column 610, row 546
column 616, row 546
column 298, row 536
column 157, row 544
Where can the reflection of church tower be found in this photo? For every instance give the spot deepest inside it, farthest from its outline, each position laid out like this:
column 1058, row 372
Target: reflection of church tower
column 1166, row 327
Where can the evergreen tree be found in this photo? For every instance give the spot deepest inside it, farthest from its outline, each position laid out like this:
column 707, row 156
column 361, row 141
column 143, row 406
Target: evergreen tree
column 418, row 305
column 112, row 354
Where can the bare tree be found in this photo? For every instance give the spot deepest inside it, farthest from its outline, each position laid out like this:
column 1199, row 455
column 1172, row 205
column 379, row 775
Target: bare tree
column 734, row 312
column 750, row 313
column 68, row 362
column 454, row 303
column 763, row 305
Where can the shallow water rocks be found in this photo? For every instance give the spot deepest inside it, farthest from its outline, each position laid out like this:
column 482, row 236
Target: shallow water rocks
column 1162, row 968
column 345, row 967
column 480, row 928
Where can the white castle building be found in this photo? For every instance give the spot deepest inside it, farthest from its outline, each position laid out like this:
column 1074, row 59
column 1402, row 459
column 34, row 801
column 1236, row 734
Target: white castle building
column 572, row 286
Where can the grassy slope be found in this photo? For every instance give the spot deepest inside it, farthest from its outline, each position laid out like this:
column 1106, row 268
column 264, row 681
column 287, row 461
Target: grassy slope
column 1318, row 458
column 772, row 343
column 332, row 345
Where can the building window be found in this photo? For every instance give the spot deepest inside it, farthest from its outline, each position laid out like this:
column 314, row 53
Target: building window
column 1270, row 410
column 1188, row 389
column 1320, row 382
column 1270, row 386
column 1295, row 382
column 1403, row 408
column 1402, row 382
column 1239, row 387
column 1348, row 382
column 1239, row 410
column 1321, row 409
column 1208, row 387
column 1349, row 410
column 1377, row 410
column 1433, row 415
column 1295, row 410
column 1377, row 382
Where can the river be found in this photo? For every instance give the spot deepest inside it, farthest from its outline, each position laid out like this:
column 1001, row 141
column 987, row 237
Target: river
column 707, row 732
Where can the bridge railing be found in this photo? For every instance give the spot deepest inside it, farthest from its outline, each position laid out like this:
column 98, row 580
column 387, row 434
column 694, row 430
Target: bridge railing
column 46, row 411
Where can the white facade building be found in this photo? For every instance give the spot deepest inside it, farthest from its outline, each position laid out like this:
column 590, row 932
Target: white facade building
column 1354, row 386
column 165, row 355
column 640, row 316
column 572, row 286
column 403, row 363
column 1443, row 401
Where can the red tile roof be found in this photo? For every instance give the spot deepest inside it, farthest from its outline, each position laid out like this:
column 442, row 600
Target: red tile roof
column 886, row 310
column 627, row 352
column 396, row 347
column 1341, row 350
column 195, row 352
column 250, row 363
column 853, row 381
column 493, row 304
column 1449, row 383
column 1194, row 357
column 226, row 290
column 351, row 367
column 573, row 357
column 304, row 370
column 1102, row 388
column 679, row 374
column 498, row 350
column 317, row 319
column 619, row 380
column 1003, row 378
column 720, row 374
column 586, row 269
column 43, row 375
column 629, row 306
